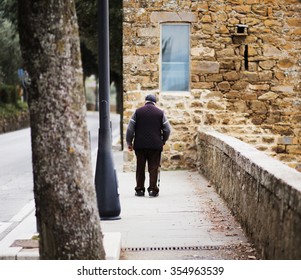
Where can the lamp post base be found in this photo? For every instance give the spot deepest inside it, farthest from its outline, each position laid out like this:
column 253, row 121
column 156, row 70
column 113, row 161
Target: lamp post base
column 106, row 183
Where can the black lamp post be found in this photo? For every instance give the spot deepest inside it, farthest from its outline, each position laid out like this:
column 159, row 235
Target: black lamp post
column 105, row 178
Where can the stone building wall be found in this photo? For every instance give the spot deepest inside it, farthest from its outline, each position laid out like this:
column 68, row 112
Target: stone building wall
column 253, row 94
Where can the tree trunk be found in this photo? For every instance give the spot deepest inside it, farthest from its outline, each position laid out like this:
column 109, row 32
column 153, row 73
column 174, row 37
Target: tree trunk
column 66, row 209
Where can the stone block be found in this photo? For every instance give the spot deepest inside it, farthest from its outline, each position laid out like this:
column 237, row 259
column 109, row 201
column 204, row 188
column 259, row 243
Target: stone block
column 271, row 51
column 203, row 85
column 265, row 75
column 296, row 32
column 260, row 10
column 221, row 16
column 156, row 17
column 268, row 96
column 202, row 6
column 242, row 9
column 286, row 63
column 208, row 28
column 148, row 32
column 205, row 67
column 223, row 29
column 297, row 119
column 144, row 50
column 259, row 87
column 233, row 94
column 251, row 76
column 268, row 139
column 240, row 106
column 258, row 107
column 214, row 78
column 268, row 64
column 294, row 149
column 228, row 52
column 286, row 140
column 273, row 118
column 227, row 64
column 253, row 66
column 240, row 85
column 206, row 18
column 214, row 105
column 231, row 76
column 258, row 119
column 206, row 94
column 178, row 146
column 294, row 22
column 249, row 95
column 133, row 59
column 283, row 88
column 252, row 2
column 148, row 67
column 202, row 52
column 272, row 23
column 224, row 86
column 235, row 2
column 280, row 149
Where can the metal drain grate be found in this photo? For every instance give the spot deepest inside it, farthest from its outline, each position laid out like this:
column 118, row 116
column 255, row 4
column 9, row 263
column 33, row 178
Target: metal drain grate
column 174, row 248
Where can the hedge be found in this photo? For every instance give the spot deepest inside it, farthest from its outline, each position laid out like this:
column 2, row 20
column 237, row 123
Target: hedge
column 8, row 94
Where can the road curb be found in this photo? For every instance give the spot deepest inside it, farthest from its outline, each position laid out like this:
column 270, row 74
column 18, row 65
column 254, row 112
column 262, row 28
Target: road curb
column 25, row 229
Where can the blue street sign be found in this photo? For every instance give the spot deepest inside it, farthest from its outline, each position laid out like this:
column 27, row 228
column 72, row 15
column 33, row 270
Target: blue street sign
column 21, row 75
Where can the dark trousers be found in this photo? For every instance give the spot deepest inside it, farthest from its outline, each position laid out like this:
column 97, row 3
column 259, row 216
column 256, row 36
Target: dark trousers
column 152, row 157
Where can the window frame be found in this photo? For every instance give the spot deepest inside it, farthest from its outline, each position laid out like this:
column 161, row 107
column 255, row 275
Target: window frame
column 179, row 92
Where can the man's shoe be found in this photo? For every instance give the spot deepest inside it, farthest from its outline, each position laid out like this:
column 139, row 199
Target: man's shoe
column 153, row 193
column 139, row 193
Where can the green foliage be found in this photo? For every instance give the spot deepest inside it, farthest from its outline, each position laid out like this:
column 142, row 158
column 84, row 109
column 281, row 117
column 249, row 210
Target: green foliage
column 8, row 95
column 10, row 60
column 87, row 19
column 89, row 61
column 8, row 11
column 10, row 56
column 116, row 14
column 12, row 109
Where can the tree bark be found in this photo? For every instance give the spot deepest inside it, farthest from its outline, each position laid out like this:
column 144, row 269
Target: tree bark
column 66, row 209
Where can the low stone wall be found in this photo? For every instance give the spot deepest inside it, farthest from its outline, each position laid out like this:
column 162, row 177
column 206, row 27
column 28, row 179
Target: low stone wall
column 263, row 193
column 14, row 122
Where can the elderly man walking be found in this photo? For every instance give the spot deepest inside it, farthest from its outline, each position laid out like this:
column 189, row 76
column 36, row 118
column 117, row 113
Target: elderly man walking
column 149, row 129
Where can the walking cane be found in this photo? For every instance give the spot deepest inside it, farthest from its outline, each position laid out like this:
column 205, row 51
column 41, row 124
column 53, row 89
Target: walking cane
column 159, row 171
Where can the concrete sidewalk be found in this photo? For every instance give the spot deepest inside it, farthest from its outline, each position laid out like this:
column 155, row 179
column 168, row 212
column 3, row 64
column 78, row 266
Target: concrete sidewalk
column 188, row 220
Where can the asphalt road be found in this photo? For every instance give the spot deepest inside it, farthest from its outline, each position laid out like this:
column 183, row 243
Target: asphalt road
column 16, row 182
